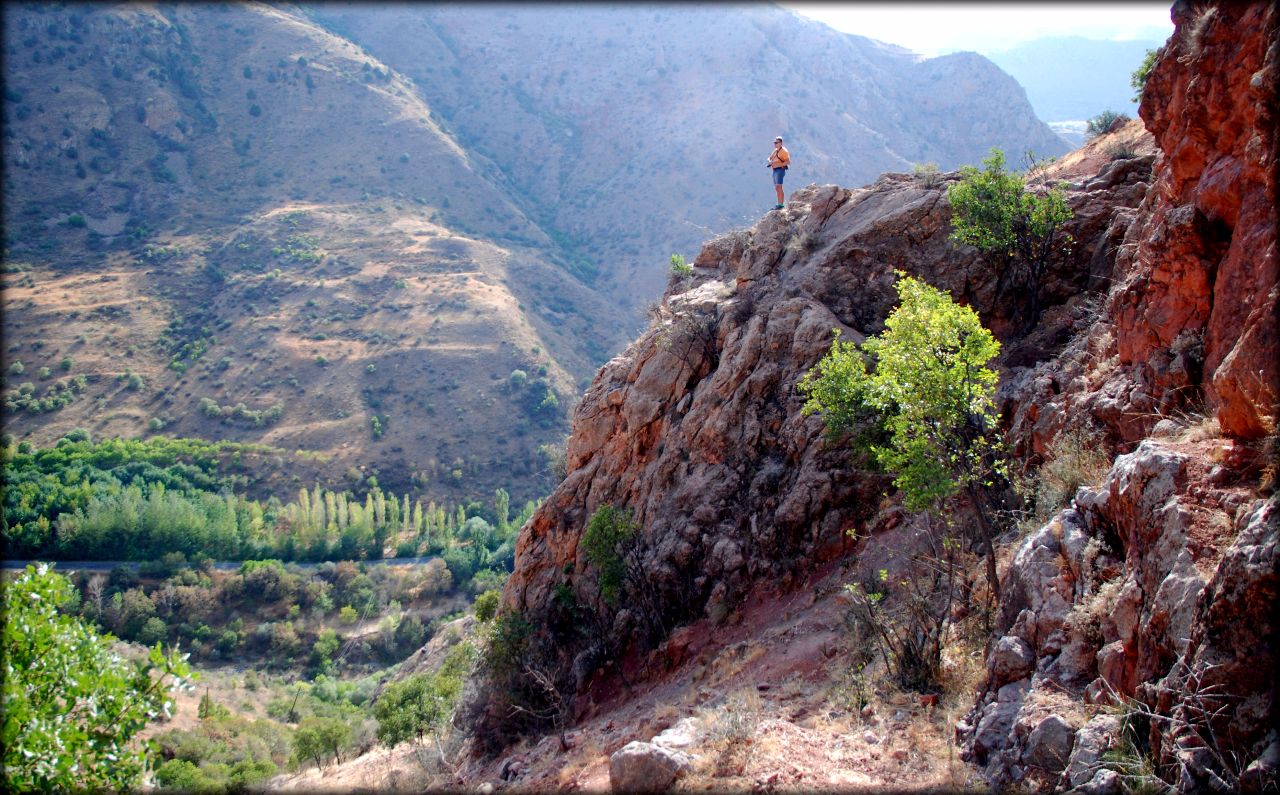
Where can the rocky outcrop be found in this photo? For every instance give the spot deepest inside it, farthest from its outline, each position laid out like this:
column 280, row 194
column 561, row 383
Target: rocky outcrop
column 1153, row 585
column 1158, row 588
column 1190, row 322
column 1124, row 596
column 696, row 428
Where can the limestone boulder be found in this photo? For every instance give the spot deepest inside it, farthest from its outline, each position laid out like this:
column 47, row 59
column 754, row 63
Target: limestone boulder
column 640, row 767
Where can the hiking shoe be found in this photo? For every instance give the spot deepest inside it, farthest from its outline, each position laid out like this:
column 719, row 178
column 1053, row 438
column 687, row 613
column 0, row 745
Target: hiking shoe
column 777, row 206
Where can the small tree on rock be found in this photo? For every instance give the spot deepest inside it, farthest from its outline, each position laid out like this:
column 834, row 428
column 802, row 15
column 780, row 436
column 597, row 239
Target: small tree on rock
column 934, row 396
column 995, row 212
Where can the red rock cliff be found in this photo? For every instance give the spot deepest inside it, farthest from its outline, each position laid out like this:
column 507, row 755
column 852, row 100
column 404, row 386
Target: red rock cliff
column 1169, row 295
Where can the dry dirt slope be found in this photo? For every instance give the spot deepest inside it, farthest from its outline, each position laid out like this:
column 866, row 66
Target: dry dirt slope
column 236, row 179
column 772, row 708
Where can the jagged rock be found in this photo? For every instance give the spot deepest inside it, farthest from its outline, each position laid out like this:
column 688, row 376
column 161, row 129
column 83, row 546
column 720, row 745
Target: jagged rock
column 994, row 724
column 1193, row 299
column 1011, row 659
column 1104, row 782
column 1263, row 771
column 1153, row 618
column 1111, row 664
column 511, row 767
column 1092, row 740
column 645, row 767
column 680, row 736
column 1049, row 745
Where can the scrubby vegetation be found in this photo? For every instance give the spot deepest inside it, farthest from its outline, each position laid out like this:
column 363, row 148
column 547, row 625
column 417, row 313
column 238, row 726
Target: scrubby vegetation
column 1138, row 80
column 926, row 414
column 275, row 614
column 1102, row 122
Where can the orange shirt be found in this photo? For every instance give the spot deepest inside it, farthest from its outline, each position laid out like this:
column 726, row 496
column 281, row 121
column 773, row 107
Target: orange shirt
column 780, row 157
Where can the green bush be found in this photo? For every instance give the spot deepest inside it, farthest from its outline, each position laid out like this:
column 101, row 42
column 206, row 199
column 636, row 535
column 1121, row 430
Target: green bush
column 318, row 739
column 679, row 268
column 322, row 651
column 153, row 631
column 995, row 212
column 1138, row 80
column 1102, row 122
column 423, row 703
column 486, row 606
column 410, row 709
column 604, row 544
column 934, row 395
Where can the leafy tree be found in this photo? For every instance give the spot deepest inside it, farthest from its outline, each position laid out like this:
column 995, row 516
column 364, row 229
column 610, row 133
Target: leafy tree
column 1138, row 80
column 318, row 739
column 128, row 612
column 608, row 534
column 411, row 709
column 153, row 631
column 994, row 211
column 935, row 397
column 422, row 704
column 486, row 606
column 410, row 634
column 326, row 645
column 72, row 706
column 502, row 510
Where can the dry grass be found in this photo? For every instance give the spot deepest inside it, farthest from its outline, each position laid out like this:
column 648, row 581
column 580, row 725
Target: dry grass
column 1075, row 458
column 580, row 759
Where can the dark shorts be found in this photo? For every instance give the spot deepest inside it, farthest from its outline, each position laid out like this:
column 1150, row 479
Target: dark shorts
column 778, row 174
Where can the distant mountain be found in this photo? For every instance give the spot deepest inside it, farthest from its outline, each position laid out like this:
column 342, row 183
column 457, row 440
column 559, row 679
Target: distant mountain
column 403, row 236
column 229, row 223
column 637, row 130
column 1074, row 78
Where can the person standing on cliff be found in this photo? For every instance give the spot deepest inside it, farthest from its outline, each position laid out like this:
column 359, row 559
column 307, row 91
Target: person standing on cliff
column 779, row 161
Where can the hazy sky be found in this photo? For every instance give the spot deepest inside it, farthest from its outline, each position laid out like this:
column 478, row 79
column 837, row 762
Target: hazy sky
column 937, row 28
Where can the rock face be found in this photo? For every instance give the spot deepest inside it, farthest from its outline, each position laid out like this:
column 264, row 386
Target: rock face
column 1193, row 309
column 696, row 428
column 1160, row 585
column 1125, row 595
column 1156, row 583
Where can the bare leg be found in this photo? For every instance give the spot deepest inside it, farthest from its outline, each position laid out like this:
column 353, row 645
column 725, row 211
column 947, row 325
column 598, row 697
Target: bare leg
column 779, row 189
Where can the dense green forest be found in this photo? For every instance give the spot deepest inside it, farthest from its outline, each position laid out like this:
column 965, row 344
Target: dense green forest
column 120, row 499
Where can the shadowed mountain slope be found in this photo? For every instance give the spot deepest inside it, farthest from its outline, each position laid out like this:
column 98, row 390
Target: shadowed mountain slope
column 636, row 131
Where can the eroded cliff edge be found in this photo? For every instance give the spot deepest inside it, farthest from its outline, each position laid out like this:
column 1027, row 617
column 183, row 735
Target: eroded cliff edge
column 1161, row 315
